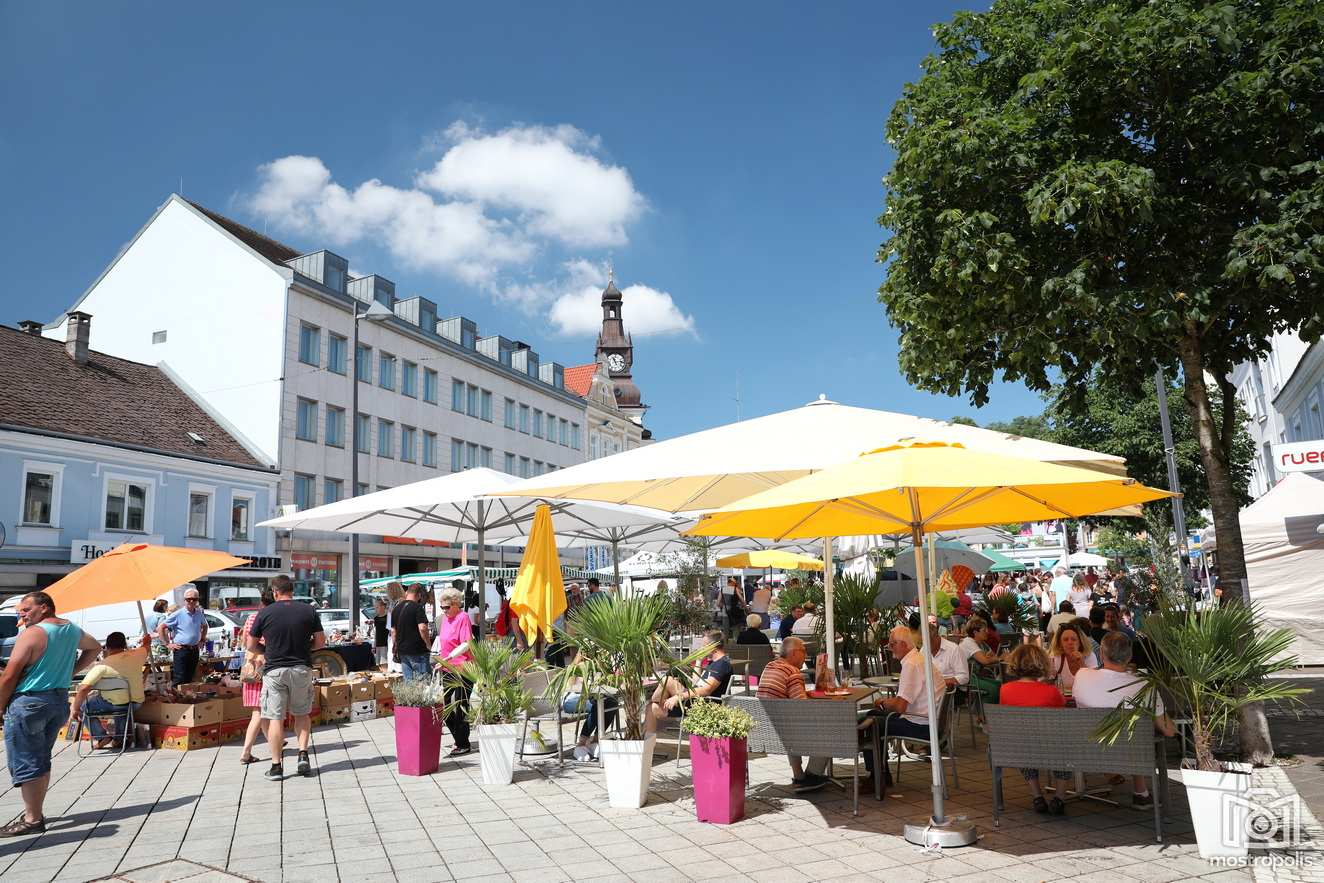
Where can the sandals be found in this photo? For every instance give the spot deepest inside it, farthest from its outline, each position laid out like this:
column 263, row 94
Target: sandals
column 247, row 760
column 20, row 826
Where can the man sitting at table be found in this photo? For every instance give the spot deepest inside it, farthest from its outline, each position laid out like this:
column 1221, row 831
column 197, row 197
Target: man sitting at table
column 753, row 631
column 949, row 659
column 1109, row 687
column 907, row 712
column 807, row 624
column 671, row 696
column 118, row 662
column 788, row 621
column 781, row 679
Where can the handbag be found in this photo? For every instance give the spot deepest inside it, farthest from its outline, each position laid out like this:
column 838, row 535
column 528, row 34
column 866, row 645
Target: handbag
column 251, row 673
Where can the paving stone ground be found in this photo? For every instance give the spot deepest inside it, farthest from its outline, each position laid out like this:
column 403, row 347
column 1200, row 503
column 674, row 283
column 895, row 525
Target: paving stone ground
column 201, row 816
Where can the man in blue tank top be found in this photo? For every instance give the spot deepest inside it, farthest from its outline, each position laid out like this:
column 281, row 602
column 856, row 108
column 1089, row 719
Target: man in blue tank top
column 34, row 693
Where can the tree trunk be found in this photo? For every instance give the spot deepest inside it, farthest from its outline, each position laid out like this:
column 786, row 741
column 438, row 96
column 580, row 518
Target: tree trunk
column 1256, row 743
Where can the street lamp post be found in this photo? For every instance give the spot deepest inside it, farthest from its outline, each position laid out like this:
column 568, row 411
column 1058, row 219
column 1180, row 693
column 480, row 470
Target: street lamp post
column 375, row 313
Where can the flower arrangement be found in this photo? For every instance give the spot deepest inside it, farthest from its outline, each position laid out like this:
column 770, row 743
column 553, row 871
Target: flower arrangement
column 713, row 720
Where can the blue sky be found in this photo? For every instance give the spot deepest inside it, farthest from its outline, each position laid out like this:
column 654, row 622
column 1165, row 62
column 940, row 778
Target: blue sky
column 726, row 158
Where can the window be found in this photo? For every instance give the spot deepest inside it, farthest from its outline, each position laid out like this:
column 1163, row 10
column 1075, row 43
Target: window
column 473, row 401
column 457, row 455
column 485, row 458
column 565, row 432
column 537, row 423
column 363, row 432
column 524, row 419
column 337, row 348
column 361, row 488
column 593, row 446
column 429, row 449
column 408, row 434
column 39, row 497
column 429, row 386
column 333, row 489
column 305, row 493
column 510, row 463
column 306, row 427
column 333, row 277
column 335, row 426
column 199, row 514
column 385, row 438
column 457, row 395
column 486, row 406
column 525, row 469
column 386, row 371
column 310, row 344
column 241, row 516
column 409, row 379
column 537, row 467
column 126, row 506
column 363, row 363
column 574, row 436
column 158, row 337
column 510, row 413
column 471, row 456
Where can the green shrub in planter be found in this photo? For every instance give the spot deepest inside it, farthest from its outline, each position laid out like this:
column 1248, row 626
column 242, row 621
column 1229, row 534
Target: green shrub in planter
column 420, row 693
column 713, row 720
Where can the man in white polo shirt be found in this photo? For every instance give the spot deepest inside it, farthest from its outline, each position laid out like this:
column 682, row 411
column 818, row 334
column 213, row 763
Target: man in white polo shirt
column 907, row 712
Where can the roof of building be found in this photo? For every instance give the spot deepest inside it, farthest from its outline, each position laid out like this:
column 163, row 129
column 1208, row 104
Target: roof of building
column 108, row 400
column 271, row 249
column 579, row 378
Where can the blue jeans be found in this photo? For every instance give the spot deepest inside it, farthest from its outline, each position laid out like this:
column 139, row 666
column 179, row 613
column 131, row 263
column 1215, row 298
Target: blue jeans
column 96, row 705
column 590, row 709
column 32, row 723
column 416, row 666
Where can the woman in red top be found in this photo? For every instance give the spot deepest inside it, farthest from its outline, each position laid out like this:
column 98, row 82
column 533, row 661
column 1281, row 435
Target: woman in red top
column 1029, row 666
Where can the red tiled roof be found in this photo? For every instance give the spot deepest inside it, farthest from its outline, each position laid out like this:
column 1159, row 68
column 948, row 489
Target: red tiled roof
column 110, row 400
column 579, row 378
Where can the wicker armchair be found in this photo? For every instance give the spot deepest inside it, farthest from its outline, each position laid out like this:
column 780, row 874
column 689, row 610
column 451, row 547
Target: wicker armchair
column 1063, row 739
column 813, row 728
column 544, row 709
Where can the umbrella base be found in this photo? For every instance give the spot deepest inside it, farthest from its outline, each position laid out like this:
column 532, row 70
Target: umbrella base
column 533, row 747
column 949, row 833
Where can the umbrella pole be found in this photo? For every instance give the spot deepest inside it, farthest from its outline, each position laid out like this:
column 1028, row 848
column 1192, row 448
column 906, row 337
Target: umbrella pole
column 616, row 563
column 937, row 829
column 142, row 617
column 830, row 634
column 482, row 569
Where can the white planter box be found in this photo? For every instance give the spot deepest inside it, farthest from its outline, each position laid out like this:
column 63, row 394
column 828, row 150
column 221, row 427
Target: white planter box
column 496, row 752
column 628, row 767
column 1219, row 809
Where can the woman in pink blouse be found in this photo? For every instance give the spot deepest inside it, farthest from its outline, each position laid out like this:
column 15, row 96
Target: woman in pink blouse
column 454, row 632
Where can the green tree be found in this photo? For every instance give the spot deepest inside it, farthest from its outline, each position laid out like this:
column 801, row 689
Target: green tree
column 1117, row 542
column 1028, row 426
column 963, row 421
column 1118, row 185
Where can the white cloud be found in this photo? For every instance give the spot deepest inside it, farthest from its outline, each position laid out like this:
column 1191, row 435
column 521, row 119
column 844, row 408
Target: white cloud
column 547, row 176
column 577, row 310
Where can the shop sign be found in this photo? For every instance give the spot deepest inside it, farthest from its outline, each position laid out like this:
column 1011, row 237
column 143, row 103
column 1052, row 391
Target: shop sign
column 306, row 561
column 411, row 541
column 374, row 564
column 1306, row 456
column 259, row 562
column 83, row 551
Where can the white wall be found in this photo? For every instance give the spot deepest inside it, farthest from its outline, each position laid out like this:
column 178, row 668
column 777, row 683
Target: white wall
column 221, row 306
column 1257, row 384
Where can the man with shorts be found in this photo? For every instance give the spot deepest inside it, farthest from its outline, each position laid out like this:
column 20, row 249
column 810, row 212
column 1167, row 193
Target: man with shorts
column 288, row 632
column 34, row 693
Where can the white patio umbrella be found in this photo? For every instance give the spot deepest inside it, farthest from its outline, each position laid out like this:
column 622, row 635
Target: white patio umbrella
column 468, row 507
column 705, row 470
column 1081, row 559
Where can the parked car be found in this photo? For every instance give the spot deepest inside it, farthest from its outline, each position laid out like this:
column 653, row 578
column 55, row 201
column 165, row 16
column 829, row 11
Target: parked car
column 8, row 635
column 335, row 619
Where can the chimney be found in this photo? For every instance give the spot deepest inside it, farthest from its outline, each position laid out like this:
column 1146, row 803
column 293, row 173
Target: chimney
column 28, row 326
column 78, row 331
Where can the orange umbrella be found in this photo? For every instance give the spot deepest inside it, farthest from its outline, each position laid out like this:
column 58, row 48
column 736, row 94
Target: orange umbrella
column 135, row 572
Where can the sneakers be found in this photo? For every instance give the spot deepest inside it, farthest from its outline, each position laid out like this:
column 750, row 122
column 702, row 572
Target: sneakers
column 1142, row 801
column 1057, row 807
column 582, row 752
column 276, row 773
column 810, row 782
column 305, row 769
column 457, row 751
column 1041, row 806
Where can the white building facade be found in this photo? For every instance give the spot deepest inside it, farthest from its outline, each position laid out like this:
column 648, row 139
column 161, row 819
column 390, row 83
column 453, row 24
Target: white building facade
column 1273, row 419
column 263, row 333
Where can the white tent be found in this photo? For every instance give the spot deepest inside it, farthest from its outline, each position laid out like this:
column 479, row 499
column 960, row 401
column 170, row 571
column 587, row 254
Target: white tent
column 1285, row 559
column 1081, row 559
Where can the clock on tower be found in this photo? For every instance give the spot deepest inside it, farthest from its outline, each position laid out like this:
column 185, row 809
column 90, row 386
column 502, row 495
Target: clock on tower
column 616, row 350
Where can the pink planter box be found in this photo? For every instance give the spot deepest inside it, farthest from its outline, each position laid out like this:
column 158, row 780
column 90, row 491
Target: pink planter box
column 417, row 741
column 719, row 779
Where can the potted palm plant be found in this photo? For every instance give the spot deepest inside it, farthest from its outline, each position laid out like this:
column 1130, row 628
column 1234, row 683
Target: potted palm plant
column 495, row 674
column 617, row 646
column 1209, row 664
column 719, row 753
column 418, row 705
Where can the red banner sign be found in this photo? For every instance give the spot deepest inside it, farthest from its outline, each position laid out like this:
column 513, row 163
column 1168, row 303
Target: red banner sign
column 313, row 561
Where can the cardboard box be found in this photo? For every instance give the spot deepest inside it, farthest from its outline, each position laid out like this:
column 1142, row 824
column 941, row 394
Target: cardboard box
column 362, row 691
column 385, row 687
column 233, row 709
column 185, row 738
column 336, row 715
column 385, row 707
column 181, row 714
column 333, row 695
column 233, row 731
column 363, row 711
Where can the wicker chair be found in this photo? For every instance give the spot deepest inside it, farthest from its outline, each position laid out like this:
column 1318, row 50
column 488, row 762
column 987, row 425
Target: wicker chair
column 1063, row 739
column 544, row 709
column 813, row 728
column 946, row 748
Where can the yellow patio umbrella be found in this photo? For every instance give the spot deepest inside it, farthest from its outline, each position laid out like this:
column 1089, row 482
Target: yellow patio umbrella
column 538, row 598
column 771, row 558
column 924, row 486
column 136, row 572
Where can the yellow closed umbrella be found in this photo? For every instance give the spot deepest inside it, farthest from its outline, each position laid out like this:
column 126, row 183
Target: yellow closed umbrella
column 771, row 558
column 924, row 486
column 539, row 595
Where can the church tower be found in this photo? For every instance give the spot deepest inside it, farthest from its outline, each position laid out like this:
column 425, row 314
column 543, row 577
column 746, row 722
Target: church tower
column 615, row 351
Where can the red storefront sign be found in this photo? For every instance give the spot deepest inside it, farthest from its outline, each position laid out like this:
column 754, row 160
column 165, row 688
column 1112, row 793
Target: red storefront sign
column 374, row 564
column 410, row 541
column 313, row 561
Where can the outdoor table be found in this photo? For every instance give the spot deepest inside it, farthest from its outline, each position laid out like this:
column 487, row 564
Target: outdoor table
column 358, row 657
column 884, row 683
column 854, row 695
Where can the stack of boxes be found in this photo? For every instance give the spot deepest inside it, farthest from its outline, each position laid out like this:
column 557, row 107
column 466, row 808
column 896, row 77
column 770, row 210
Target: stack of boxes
column 184, row 725
column 357, row 697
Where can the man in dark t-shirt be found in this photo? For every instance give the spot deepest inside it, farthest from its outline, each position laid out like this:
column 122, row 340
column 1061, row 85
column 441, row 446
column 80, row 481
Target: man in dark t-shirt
column 671, row 696
column 286, row 633
column 409, row 621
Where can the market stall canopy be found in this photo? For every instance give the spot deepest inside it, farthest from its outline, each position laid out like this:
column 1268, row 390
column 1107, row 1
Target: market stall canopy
column 1081, row 559
column 135, row 572
column 853, row 547
column 1001, row 563
column 771, row 558
column 706, row 470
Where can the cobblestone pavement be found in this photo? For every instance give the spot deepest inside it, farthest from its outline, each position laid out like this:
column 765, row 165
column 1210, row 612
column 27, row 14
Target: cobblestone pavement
column 201, row 816
column 1300, row 732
